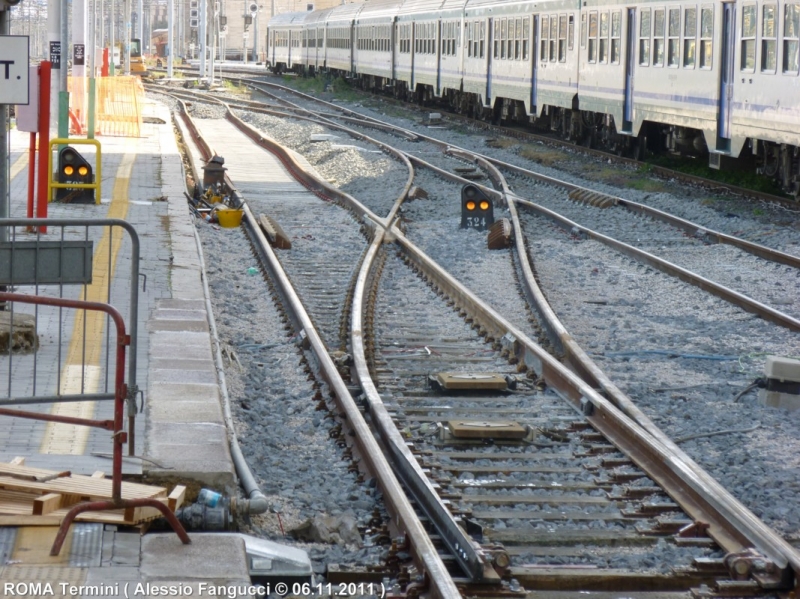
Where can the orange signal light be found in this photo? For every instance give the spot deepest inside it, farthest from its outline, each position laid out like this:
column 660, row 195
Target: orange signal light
column 484, row 205
column 83, row 170
column 470, row 205
column 68, row 170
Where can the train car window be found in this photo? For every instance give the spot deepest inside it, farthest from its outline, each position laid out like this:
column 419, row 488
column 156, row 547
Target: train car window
column 518, row 40
column 512, row 39
column 571, row 33
column 603, row 58
column 791, row 39
column 553, row 36
column 674, row 32
column 658, row 38
column 706, row 35
column 689, row 37
column 483, row 39
column 769, row 42
column 593, row 37
column 509, row 32
column 526, row 26
column 545, row 32
column 616, row 35
column 748, row 38
column 562, row 38
column 583, row 30
column 644, row 37
column 496, row 39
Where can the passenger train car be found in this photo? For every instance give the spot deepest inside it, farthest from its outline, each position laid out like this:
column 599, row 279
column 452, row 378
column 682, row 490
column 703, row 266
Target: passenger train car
column 692, row 76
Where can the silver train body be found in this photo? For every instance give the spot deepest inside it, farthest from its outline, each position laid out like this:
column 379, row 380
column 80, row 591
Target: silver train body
column 695, row 77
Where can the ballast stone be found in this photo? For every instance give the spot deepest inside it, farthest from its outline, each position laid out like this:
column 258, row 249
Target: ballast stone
column 783, row 383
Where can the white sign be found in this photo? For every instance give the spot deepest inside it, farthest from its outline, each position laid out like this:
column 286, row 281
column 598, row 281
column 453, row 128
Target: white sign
column 28, row 114
column 244, row 35
column 14, row 67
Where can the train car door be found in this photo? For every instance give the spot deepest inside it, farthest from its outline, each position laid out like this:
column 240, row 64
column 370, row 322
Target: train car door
column 413, row 85
column 627, row 114
column 726, row 76
column 353, row 39
column 534, row 50
column 438, row 42
column 395, row 29
column 487, row 101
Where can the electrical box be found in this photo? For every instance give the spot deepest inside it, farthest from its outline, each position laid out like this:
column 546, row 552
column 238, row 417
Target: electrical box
column 783, row 383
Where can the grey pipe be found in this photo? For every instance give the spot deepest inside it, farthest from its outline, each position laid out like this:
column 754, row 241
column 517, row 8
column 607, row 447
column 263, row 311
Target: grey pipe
column 256, row 502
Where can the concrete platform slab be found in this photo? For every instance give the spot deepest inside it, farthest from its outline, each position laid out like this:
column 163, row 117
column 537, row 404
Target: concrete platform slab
column 161, row 376
column 213, row 557
column 185, row 392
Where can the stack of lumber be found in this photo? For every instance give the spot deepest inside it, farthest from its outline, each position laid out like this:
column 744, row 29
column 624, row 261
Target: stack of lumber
column 33, row 496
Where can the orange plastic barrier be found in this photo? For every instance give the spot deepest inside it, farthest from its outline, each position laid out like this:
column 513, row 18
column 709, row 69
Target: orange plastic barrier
column 118, row 105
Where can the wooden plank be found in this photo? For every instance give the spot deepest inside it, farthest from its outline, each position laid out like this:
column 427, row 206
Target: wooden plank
column 18, row 461
column 46, row 503
column 176, row 498
column 29, row 520
column 94, row 489
column 98, row 474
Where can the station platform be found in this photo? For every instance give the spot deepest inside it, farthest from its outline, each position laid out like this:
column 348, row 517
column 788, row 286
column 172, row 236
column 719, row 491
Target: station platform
column 180, row 437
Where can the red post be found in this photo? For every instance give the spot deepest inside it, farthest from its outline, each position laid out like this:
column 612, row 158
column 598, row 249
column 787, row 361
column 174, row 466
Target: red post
column 31, row 173
column 104, row 68
column 44, row 140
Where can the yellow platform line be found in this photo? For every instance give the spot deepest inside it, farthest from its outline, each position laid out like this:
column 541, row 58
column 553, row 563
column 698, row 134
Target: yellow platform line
column 85, row 347
column 19, row 164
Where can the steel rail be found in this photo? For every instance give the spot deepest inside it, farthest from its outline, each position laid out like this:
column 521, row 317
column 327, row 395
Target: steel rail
column 440, row 581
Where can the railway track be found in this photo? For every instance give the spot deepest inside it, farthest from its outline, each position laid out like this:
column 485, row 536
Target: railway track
column 530, row 476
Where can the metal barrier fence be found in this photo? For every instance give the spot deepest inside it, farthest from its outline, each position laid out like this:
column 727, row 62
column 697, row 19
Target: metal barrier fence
column 119, row 438
column 75, row 261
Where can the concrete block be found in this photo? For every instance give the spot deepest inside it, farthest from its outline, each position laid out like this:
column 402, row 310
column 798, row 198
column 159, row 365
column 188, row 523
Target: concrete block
column 169, row 363
column 161, row 338
column 181, row 304
column 187, row 392
column 783, row 369
column 164, row 350
column 190, row 451
column 185, row 412
column 212, row 557
column 197, row 326
column 164, row 376
column 179, row 314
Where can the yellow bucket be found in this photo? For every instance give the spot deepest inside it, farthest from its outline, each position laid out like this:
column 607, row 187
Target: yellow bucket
column 230, row 217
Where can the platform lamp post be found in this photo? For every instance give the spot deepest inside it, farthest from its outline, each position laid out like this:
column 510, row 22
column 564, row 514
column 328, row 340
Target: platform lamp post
column 223, row 38
column 248, row 20
column 254, row 11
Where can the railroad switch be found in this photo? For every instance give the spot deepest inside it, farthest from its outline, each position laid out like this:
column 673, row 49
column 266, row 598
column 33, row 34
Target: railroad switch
column 783, row 383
